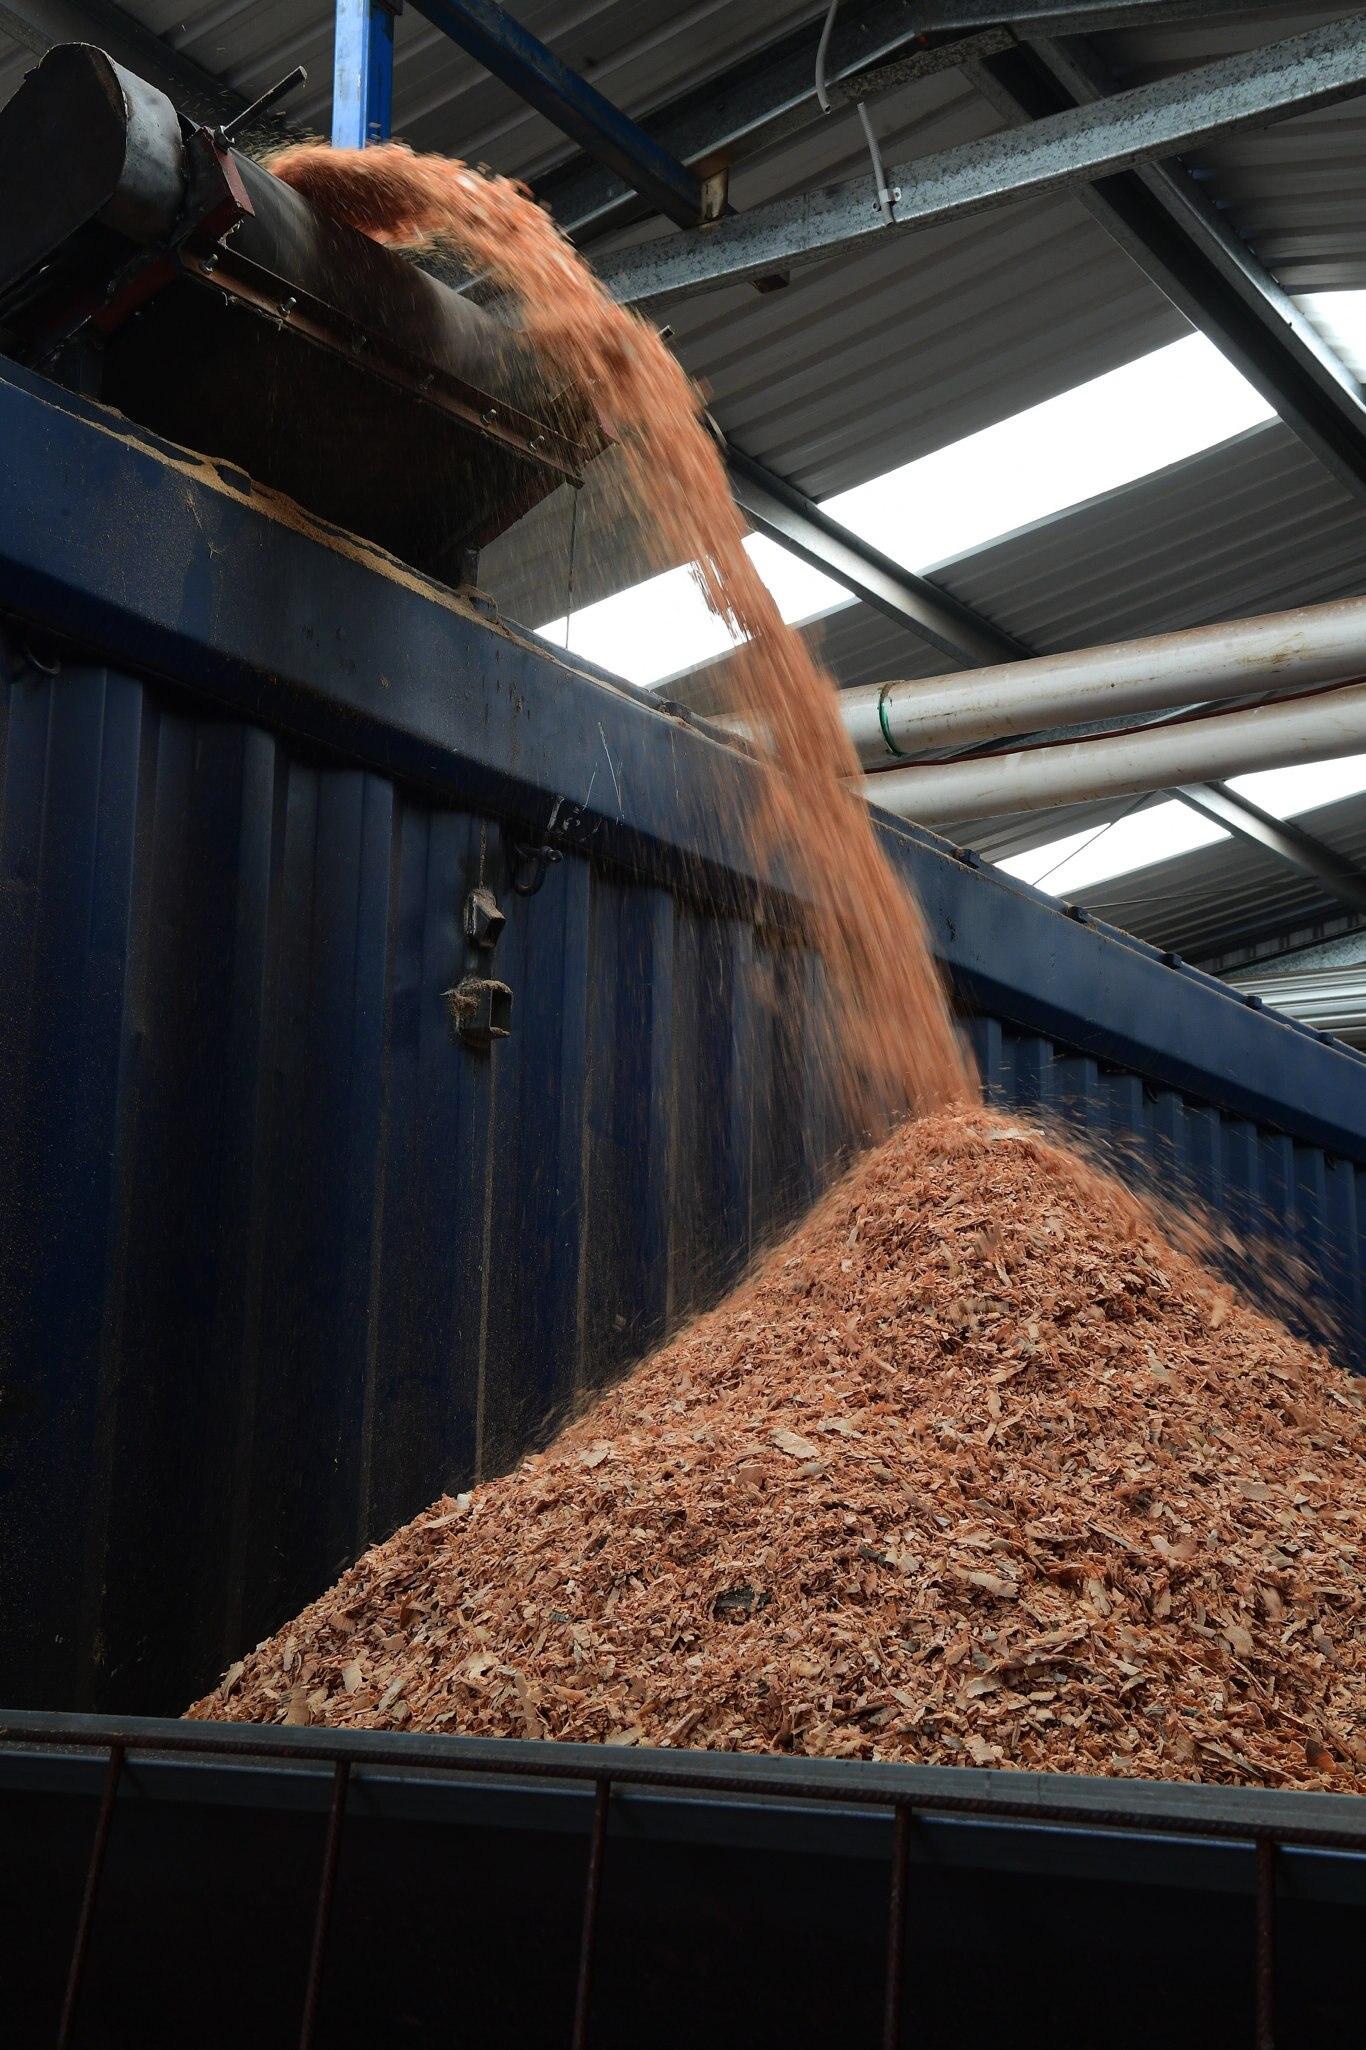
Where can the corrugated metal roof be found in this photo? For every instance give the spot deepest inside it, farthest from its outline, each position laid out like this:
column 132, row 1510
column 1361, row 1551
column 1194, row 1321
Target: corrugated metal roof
column 874, row 358
column 636, row 51
column 869, row 360
column 1289, row 189
column 1226, row 896
column 1248, row 527
column 1330, row 999
column 862, row 362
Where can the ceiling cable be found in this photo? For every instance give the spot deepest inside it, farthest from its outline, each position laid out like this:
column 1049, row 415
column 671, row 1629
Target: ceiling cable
column 886, row 196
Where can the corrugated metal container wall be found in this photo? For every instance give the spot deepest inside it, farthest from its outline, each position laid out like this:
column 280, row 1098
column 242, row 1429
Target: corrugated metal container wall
column 280, row 1258
column 290, row 1256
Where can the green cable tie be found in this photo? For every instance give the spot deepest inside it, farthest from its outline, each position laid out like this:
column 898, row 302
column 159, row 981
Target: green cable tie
column 892, row 747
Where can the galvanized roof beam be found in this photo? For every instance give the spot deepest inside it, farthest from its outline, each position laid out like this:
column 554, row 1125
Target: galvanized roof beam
column 764, row 98
column 37, row 25
column 778, row 509
column 1161, row 216
column 1062, row 151
column 770, row 94
column 1296, row 848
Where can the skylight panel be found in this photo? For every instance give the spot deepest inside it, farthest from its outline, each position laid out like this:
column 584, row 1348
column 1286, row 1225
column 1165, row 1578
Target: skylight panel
column 1161, row 409
column 1078, row 861
column 1285, row 793
column 1104, row 434
column 664, row 627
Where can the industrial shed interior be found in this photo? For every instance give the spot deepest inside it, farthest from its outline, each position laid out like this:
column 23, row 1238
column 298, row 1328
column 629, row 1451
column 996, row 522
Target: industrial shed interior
column 885, row 355
column 461, row 1467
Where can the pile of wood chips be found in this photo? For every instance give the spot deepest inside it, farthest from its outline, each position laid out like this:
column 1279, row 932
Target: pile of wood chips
column 976, row 1469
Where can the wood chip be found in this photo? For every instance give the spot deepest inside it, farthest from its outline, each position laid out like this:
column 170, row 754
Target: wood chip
column 795, row 1446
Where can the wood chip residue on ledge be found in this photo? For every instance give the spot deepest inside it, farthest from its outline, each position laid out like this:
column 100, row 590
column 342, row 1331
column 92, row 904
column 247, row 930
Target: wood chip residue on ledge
column 976, row 1469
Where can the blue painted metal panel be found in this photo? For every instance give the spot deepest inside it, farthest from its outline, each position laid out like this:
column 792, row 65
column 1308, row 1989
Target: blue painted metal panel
column 627, row 1124
column 540, row 1212
column 280, row 1257
column 710, row 1175
column 362, row 73
column 430, row 1309
column 777, row 1066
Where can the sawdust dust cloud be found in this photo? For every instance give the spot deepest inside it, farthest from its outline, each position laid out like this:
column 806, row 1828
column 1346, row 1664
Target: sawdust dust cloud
column 892, row 1040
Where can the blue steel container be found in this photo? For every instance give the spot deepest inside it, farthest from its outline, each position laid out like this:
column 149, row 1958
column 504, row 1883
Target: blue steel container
column 281, row 1256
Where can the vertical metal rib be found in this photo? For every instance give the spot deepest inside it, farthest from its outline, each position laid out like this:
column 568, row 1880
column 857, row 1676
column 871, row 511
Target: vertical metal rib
column 92, row 1888
column 896, row 1929
column 1266, row 1943
column 592, row 1889
column 326, row 1888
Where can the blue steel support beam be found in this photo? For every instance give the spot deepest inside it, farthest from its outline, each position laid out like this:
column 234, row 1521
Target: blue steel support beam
column 362, row 73
column 538, row 76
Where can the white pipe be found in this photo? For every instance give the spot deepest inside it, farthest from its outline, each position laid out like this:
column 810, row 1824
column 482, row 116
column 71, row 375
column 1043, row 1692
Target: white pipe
column 1279, row 735
column 1283, row 651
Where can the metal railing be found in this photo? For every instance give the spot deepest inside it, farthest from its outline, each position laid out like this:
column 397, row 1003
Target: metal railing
column 1263, row 1820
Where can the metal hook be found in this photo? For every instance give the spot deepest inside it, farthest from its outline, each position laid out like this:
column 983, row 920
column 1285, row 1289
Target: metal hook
column 51, row 668
column 524, row 854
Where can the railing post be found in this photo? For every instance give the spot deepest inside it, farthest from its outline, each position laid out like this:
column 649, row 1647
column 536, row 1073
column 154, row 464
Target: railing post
column 896, row 1928
column 93, row 1873
column 592, row 1889
column 327, row 1886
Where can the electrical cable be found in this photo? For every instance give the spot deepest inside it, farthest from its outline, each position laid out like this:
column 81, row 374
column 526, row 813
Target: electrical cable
column 1099, row 834
column 822, row 47
column 885, row 197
